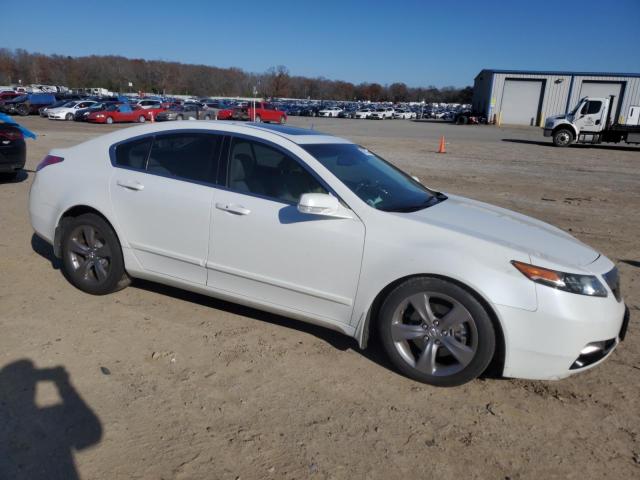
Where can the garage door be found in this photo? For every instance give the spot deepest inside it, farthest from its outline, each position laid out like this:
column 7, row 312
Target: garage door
column 521, row 102
column 603, row 90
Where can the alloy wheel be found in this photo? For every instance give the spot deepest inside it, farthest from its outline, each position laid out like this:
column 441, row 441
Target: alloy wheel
column 434, row 333
column 89, row 254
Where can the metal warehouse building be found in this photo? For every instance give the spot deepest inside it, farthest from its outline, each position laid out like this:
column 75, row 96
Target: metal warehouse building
column 528, row 97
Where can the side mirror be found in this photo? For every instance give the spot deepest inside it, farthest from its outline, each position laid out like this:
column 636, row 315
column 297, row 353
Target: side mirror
column 322, row 204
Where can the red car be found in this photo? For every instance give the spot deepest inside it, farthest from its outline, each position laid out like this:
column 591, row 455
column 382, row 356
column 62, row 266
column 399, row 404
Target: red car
column 9, row 95
column 263, row 112
column 124, row 113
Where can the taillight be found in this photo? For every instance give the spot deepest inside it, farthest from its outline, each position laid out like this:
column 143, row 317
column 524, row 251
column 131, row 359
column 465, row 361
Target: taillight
column 48, row 160
column 11, row 135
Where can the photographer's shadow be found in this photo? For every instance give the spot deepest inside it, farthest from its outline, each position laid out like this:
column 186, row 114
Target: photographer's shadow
column 38, row 442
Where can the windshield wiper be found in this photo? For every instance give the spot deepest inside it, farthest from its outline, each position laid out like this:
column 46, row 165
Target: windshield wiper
column 414, row 208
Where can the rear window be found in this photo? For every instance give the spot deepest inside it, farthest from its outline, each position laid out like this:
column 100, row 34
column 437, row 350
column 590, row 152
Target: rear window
column 133, row 154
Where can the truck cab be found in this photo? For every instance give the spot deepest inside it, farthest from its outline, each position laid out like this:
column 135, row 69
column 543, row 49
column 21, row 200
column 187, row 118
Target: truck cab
column 589, row 122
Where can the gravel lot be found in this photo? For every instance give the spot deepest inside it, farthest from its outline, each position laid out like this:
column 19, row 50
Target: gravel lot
column 174, row 385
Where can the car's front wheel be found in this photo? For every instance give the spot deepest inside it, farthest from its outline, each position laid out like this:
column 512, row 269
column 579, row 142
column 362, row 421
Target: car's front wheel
column 92, row 256
column 141, row 119
column 436, row 332
column 109, row 120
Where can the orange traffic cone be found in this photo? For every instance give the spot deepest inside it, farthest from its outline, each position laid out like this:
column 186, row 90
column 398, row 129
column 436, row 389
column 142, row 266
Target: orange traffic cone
column 442, row 148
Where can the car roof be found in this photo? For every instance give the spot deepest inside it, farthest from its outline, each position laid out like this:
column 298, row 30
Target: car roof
column 300, row 136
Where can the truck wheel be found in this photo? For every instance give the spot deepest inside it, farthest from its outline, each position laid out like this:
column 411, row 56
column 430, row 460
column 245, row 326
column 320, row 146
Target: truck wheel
column 563, row 138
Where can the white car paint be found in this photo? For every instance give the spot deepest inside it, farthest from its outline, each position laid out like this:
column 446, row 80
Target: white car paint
column 147, row 104
column 404, row 114
column 61, row 113
column 329, row 112
column 330, row 270
column 382, row 113
column 365, row 113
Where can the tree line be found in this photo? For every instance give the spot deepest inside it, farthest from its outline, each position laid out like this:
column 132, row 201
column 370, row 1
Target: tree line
column 156, row 76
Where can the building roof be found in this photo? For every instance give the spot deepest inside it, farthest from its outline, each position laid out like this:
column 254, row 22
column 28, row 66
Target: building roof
column 555, row 72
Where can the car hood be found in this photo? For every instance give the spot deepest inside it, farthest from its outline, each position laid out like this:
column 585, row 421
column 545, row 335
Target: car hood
column 508, row 228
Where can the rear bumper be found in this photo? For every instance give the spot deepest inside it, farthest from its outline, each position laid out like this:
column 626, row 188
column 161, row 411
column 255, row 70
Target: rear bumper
column 13, row 157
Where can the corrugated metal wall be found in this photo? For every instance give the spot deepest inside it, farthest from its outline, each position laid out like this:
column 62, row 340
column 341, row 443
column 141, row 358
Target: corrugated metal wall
column 555, row 91
column 559, row 94
column 630, row 96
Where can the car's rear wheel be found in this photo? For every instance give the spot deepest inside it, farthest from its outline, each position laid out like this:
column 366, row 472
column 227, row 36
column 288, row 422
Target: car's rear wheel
column 68, row 117
column 109, row 120
column 436, row 332
column 142, row 119
column 92, row 256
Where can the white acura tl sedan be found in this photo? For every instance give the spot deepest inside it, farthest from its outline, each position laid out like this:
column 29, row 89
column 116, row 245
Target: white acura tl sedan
column 319, row 229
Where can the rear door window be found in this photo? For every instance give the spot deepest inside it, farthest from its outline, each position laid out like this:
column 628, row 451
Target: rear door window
column 187, row 156
column 133, row 154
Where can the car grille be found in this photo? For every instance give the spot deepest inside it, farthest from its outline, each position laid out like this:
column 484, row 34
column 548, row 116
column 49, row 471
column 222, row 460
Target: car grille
column 613, row 280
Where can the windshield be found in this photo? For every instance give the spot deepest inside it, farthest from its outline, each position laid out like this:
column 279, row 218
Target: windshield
column 374, row 180
column 575, row 110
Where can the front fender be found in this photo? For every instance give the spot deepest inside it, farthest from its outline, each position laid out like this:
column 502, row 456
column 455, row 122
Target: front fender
column 479, row 265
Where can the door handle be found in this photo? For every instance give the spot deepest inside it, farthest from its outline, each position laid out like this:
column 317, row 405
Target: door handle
column 130, row 184
column 231, row 208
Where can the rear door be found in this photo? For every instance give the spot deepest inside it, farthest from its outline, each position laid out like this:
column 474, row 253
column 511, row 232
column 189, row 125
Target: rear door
column 162, row 189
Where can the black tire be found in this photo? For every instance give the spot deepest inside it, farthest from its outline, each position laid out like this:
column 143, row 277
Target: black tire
column 563, row 137
column 82, row 252
column 142, row 119
column 109, row 120
column 257, row 119
column 68, row 117
column 22, row 110
column 477, row 338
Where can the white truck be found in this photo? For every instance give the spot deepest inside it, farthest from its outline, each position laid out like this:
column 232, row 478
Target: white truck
column 590, row 122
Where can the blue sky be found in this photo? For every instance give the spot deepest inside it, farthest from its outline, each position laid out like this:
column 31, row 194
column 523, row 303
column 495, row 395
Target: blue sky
column 417, row 42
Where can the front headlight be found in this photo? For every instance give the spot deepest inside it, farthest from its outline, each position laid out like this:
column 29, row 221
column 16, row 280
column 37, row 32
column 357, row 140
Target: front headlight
column 567, row 282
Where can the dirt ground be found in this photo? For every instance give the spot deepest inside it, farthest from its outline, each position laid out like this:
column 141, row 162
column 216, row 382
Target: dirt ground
column 156, row 383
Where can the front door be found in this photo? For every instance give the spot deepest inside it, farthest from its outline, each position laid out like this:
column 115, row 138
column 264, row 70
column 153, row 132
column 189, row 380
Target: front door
column 264, row 249
column 162, row 197
column 590, row 117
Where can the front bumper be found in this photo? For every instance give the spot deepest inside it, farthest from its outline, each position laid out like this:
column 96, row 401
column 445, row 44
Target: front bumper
column 552, row 342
